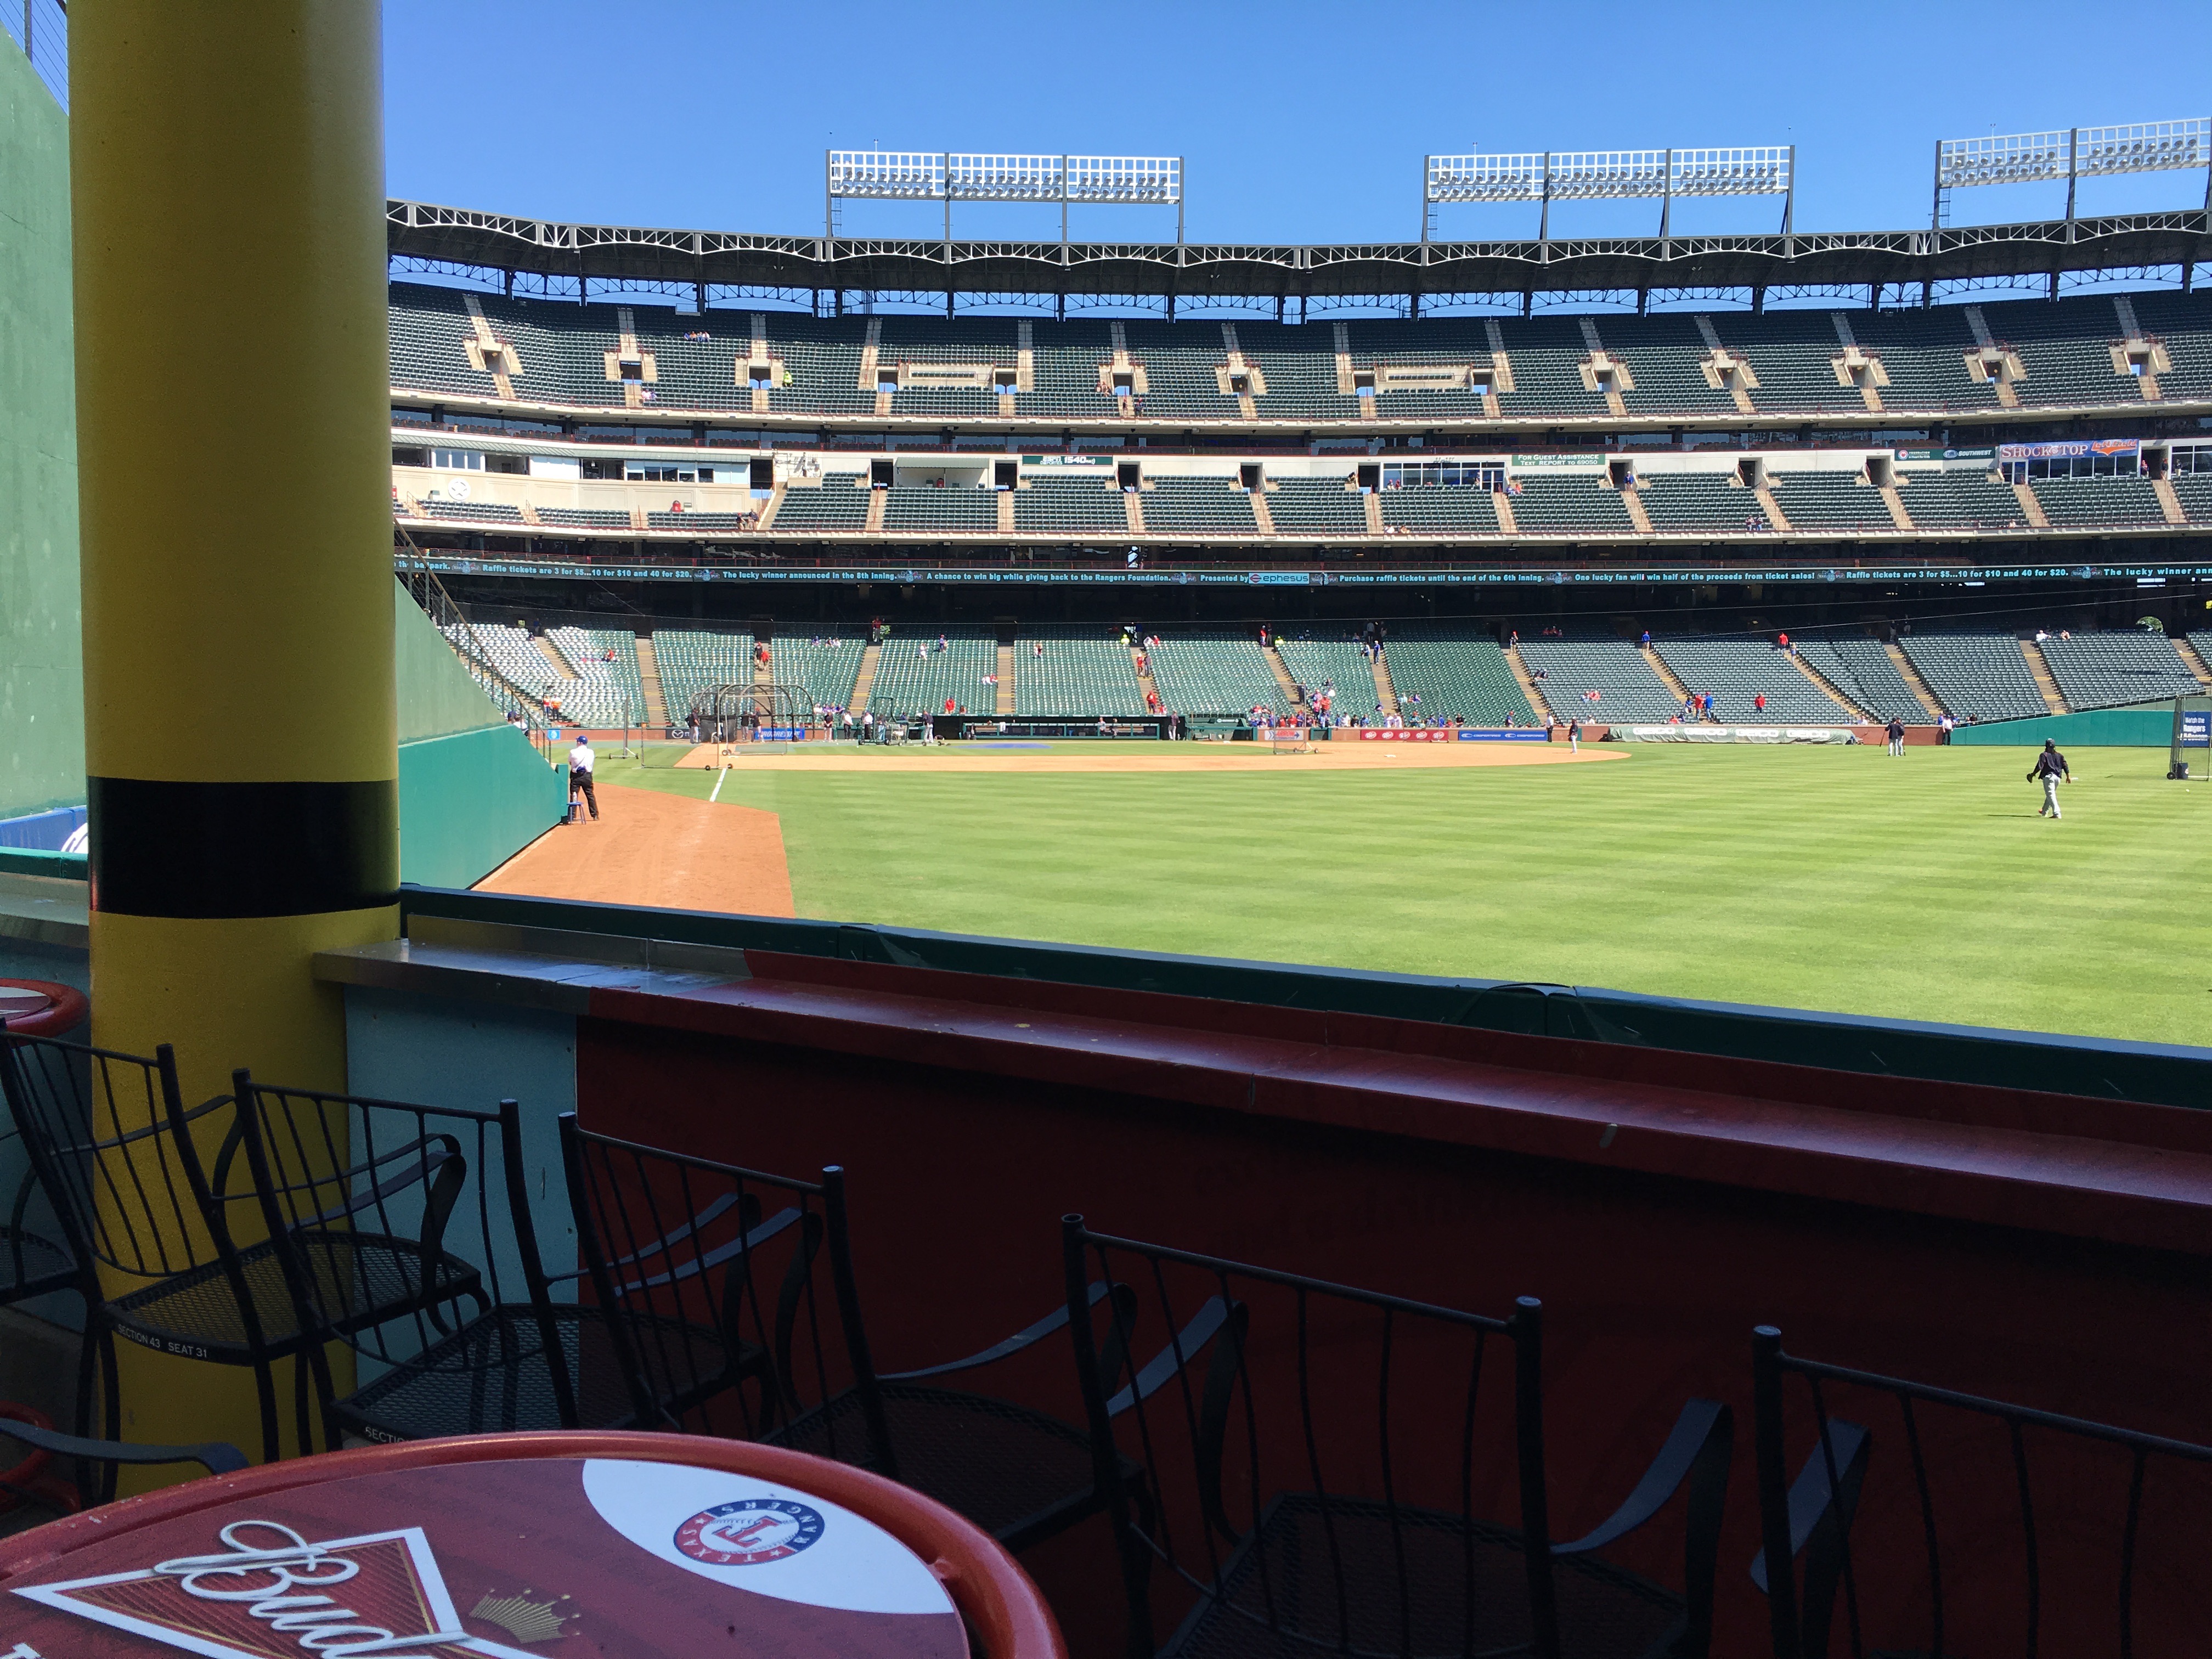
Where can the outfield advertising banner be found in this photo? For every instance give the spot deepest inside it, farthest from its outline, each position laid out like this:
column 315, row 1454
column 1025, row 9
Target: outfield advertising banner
column 1594, row 463
column 1946, row 454
column 2070, row 449
column 1410, row 734
column 2197, row 728
column 1503, row 734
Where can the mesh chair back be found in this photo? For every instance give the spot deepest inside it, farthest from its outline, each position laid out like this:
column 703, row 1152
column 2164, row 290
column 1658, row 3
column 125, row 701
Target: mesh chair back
column 2001, row 1529
column 120, row 1157
column 441, row 1188
column 1324, row 1469
column 720, row 1280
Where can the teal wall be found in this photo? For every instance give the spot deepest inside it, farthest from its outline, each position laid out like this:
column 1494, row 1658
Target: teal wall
column 470, row 802
column 2097, row 728
column 41, row 649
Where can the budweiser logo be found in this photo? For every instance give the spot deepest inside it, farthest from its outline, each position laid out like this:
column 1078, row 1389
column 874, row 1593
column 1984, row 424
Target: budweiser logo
column 270, row 1594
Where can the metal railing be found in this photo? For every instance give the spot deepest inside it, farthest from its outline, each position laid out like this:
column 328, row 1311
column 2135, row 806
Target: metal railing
column 420, row 581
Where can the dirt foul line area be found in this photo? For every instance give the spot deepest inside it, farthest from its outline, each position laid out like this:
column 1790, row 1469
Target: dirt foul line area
column 649, row 846
column 1179, row 757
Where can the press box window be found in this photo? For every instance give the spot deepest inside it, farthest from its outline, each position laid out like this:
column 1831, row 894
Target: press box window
column 457, row 460
column 638, row 474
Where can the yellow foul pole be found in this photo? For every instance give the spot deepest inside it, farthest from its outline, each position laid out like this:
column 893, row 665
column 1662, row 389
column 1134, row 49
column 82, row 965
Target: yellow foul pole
column 228, row 188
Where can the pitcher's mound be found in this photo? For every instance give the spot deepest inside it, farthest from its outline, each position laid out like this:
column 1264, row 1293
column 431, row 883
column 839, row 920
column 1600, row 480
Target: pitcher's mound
column 651, row 848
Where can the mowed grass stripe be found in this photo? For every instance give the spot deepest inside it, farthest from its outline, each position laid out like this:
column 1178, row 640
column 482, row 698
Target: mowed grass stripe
column 1922, row 888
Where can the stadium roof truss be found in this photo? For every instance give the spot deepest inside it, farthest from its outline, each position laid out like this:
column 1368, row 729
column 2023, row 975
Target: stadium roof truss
column 453, row 238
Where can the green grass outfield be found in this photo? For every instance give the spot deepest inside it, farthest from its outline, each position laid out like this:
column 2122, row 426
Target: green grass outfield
column 1838, row 878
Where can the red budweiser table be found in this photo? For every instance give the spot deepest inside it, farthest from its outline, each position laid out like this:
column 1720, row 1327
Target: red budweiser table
column 641, row 1545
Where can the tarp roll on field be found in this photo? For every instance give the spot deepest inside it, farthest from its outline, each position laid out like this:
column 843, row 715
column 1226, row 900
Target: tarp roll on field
column 1733, row 734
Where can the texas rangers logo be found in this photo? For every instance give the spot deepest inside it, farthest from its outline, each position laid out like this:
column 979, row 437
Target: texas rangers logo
column 749, row 1532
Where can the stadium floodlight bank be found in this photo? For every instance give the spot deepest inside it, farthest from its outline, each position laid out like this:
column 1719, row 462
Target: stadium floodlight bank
column 1550, row 176
column 2072, row 154
column 949, row 176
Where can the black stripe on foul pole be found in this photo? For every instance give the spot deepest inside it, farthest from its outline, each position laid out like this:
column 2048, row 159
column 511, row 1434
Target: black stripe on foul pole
column 209, row 850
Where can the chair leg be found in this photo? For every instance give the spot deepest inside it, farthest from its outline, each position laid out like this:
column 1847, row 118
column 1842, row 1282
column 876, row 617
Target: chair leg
column 264, row 1386
column 87, row 1355
column 111, row 1387
column 326, row 1394
column 302, row 1423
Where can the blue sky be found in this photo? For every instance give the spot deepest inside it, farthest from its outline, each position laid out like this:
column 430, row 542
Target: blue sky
column 1300, row 122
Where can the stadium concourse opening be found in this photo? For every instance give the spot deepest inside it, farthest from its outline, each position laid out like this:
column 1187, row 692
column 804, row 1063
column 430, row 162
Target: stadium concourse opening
column 1165, row 890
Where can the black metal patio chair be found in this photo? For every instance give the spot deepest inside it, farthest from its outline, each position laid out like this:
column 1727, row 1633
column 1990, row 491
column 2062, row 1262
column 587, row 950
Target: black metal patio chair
column 1325, row 1481
column 115, row 1151
column 453, row 1337
column 1968, row 1545
column 216, row 1457
column 32, row 1263
column 706, row 1289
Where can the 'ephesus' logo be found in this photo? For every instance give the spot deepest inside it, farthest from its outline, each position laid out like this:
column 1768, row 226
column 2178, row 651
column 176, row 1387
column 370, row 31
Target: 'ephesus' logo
column 270, row 1594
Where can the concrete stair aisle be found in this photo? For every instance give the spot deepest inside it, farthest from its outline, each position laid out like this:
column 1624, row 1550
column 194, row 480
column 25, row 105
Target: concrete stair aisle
column 1260, row 513
column 878, row 501
column 2030, row 508
column 1145, row 683
column 1921, row 688
column 1282, row 677
column 648, row 678
column 1378, row 669
column 1530, row 687
column 1004, row 702
column 1775, row 518
column 2193, row 659
column 768, row 508
column 1373, row 504
column 1133, row 508
column 865, row 682
column 551, row 653
column 1503, row 504
column 1672, row 680
column 1636, row 514
column 1894, row 499
column 1832, row 689
column 2053, row 698
column 2168, row 503
column 1005, row 513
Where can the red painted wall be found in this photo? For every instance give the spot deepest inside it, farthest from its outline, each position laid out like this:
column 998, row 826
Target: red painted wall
column 1650, row 1284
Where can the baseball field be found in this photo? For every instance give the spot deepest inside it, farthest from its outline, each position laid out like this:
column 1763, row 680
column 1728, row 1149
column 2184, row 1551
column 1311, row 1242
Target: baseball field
column 1924, row 887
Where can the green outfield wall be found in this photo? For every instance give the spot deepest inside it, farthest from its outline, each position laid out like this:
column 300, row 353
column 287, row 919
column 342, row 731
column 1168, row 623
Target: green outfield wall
column 2094, row 728
column 41, row 650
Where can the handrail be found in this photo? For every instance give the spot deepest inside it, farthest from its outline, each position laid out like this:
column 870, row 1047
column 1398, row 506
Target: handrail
column 452, row 622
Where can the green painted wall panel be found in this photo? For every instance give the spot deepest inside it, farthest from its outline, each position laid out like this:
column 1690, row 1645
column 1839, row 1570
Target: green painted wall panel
column 470, row 802
column 41, row 646
column 437, row 695
column 2094, row 728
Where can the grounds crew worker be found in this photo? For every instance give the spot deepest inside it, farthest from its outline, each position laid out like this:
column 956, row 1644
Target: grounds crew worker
column 2050, row 767
column 580, row 773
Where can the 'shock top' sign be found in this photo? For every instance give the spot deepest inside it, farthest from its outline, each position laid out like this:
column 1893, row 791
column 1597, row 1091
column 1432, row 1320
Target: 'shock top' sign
column 497, row 1560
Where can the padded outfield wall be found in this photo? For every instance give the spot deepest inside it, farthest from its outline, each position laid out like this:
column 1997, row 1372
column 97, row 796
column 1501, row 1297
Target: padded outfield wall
column 41, row 648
